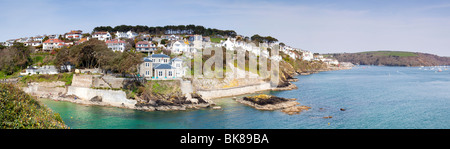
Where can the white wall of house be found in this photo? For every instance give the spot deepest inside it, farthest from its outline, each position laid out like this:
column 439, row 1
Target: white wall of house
column 116, row 46
column 102, row 37
column 50, row 46
column 179, row 46
column 164, row 74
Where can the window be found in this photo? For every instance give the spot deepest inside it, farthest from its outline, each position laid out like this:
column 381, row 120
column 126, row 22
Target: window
column 147, row 73
column 170, row 73
column 160, row 73
column 147, row 64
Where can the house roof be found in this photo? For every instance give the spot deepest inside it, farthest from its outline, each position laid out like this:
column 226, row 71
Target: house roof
column 160, row 55
column 75, row 32
column 164, row 66
column 53, row 41
column 176, row 59
column 147, row 59
column 100, row 33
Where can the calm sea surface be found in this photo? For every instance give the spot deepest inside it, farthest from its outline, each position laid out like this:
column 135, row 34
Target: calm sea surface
column 372, row 96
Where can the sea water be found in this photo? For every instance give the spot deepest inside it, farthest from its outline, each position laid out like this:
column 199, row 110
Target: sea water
column 365, row 97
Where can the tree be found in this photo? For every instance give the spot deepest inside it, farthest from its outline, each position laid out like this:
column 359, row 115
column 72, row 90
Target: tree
column 45, row 38
column 15, row 58
column 126, row 62
column 103, row 28
column 90, row 54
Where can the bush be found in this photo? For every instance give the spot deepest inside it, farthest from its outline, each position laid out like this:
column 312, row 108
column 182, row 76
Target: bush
column 21, row 111
column 64, row 77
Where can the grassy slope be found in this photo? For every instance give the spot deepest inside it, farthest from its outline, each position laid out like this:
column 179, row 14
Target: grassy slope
column 64, row 77
column 19, row 110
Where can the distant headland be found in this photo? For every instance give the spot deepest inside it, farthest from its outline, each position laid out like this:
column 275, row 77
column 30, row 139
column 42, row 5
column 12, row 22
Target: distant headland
column 391, row 58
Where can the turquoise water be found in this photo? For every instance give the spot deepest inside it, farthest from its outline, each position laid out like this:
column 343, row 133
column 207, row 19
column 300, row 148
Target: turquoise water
column 372, row 96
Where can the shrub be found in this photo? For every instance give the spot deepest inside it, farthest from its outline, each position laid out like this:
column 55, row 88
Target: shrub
column 21, row 111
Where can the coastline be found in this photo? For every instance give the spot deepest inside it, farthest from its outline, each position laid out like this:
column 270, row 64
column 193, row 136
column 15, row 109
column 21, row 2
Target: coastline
column 74, row 99
column 55, row 91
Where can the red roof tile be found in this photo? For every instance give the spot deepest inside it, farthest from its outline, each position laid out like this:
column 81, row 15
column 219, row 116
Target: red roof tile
column 53, row 41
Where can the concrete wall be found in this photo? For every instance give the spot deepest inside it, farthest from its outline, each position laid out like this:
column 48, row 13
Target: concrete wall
column 82, row 80
column 40, row 88
column 108, row 96
column 113, row 81
column 210, row 94
column 98, row 82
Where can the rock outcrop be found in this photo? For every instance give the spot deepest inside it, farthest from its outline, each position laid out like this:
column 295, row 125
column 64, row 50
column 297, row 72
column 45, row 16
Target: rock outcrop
column 269, row 102
column 295, row 109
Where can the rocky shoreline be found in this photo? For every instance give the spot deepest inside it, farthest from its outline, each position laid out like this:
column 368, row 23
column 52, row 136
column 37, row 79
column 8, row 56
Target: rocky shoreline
column 56, row 91
column 77, row 100
column 271, row 103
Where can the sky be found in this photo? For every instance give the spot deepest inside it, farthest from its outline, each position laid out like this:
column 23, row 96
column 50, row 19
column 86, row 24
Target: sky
column 320, row 26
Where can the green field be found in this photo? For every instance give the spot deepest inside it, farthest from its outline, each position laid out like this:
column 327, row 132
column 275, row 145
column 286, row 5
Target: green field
column 392, row 53
column 217, row 40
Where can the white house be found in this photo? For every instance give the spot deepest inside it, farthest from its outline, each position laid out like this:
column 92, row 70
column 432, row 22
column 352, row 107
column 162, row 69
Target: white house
column 23, row 40
column 331, row 61
column 121, row 35
column 307, row 55
column 116, row 45
column 102, row 36
column 145, row 46
column 52, row 44
column 74, row 34
column 160, row 67
column 228, row 44
column 38, row 38
column 128, row 34
column 132, row 34
column 46, row 69
column 180, row 46
column 33, row 43
column 178, row 65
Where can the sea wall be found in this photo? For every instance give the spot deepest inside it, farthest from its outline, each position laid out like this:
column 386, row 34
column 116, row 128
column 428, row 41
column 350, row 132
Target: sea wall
column 226, row 92
column 108, row 96
column 44, row 88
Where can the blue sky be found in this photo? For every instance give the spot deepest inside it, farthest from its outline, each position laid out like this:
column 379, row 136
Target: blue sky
column 323, row 26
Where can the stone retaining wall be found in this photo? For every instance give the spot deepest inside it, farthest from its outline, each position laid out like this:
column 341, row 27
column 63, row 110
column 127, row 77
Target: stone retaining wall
column 218, row 93
column 108, row 96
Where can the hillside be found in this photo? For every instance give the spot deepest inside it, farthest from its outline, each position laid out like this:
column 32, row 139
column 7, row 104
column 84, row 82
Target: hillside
column 392, row 58
column 21, row 111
